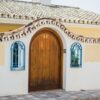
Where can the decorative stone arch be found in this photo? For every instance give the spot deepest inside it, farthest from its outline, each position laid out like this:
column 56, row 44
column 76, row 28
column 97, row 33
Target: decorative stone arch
column 31, row 27
column 62, row 36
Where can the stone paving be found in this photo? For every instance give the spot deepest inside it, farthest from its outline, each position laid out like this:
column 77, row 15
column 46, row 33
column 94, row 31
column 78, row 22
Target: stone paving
column 57, row 95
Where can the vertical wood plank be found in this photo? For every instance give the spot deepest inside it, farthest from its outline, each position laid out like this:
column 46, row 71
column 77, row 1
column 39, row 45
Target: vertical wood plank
column 45, row 58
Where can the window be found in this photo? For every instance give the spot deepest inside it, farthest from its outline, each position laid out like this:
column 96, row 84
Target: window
column 18, row 56
column 76, row 55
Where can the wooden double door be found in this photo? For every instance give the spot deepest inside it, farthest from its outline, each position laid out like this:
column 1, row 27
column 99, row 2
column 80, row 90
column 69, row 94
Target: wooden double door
column 45, row 70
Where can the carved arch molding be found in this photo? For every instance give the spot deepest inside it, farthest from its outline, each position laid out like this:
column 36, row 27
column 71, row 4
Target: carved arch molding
column 31, row 27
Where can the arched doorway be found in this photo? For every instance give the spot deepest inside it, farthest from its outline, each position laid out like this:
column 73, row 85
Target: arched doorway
column 46, row 57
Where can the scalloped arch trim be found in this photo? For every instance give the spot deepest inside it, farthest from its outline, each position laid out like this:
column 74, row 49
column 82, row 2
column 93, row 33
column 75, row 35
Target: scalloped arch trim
column 28, row 29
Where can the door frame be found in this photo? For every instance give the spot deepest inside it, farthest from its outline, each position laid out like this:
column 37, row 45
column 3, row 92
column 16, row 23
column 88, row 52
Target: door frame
column 61, row 48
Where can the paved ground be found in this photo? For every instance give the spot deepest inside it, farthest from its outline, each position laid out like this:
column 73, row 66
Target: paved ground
column 57, row 95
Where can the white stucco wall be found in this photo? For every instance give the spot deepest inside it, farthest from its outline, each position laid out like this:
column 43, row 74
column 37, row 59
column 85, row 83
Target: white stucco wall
column 16, row 82
column 83, row 78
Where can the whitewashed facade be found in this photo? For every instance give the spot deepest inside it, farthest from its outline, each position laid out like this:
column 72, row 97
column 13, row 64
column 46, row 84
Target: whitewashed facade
column 85, row 77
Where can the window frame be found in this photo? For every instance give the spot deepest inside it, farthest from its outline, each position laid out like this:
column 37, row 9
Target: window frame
column 80, row 48
column 19, row 68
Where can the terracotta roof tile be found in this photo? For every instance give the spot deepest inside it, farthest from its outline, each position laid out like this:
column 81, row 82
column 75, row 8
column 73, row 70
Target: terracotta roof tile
column 30, row 11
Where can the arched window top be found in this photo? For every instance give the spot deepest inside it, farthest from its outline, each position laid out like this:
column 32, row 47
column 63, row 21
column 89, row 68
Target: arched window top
column 76, row 55
column 19, row 44
column 18, row 56
column 76, row 45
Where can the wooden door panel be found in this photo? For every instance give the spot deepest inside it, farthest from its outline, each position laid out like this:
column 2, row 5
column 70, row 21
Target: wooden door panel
column 45, row 58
